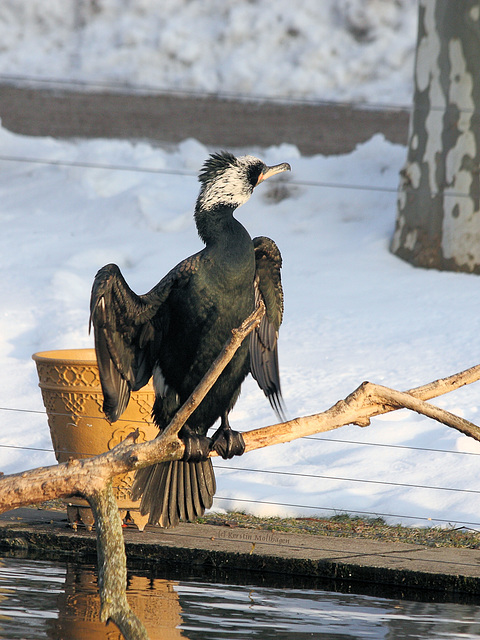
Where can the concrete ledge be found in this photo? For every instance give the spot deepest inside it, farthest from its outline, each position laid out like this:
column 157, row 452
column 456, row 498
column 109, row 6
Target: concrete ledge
column 445, row 570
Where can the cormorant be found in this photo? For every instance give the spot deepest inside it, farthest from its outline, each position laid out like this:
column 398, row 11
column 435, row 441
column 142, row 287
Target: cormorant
column 175, row 331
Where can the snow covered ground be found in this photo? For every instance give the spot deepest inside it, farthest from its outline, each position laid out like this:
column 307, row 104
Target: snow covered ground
column 333, row 49
column 353, row 311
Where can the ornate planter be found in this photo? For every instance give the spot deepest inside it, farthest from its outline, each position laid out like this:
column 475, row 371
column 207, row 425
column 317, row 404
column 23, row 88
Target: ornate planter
column 73, row 398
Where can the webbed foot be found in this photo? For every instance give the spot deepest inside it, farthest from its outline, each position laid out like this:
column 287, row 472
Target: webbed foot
column 226, row 442
column 197, row 447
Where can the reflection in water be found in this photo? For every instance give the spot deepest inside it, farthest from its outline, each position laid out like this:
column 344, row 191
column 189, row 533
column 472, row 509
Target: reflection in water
column 154, row 601
column 40, row 599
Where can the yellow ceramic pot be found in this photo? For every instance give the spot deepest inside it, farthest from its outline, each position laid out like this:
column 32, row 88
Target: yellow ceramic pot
column 72, row 395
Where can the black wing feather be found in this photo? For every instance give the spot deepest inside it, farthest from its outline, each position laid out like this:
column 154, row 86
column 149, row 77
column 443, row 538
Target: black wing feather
column 123, row 335
column 263, row 341
column 129, row 330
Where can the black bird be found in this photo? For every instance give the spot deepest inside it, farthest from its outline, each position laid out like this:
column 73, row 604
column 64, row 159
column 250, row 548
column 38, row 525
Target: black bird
column 175, row 331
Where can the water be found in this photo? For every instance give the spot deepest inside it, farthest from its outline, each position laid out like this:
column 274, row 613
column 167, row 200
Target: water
column 58, row 600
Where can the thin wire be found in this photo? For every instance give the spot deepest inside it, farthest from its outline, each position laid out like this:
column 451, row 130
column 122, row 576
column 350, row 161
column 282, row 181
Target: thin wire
column 75, row 415
column 7, row 446
column 272, row 472
column 122, row 87
column 14, row 446
column 96, row 165
column 325, row 477
column 179, row 172
column 390, row 446
column 346, row 511
column 142, row 422
column 223, row 467
column 43, row 413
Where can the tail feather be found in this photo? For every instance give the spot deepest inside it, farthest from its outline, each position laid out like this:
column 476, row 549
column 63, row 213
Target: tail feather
column 194, row 480
column 188, row 492
column 182, row 514
column 174, row 491
column 206, row 480
column 174, row 497
column 160, row 511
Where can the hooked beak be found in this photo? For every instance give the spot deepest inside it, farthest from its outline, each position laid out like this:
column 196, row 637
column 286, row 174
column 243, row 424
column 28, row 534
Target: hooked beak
column 272, row 171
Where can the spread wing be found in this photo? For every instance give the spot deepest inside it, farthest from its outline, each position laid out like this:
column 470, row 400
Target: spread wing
column 128, row 332
column 263, row 341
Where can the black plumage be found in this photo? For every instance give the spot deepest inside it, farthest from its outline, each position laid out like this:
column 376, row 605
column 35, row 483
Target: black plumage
column 176, row 330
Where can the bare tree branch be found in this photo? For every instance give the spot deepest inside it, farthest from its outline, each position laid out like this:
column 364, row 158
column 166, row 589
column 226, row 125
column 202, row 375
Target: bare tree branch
column 90, row 474
column 112, row 565
column 367, row 401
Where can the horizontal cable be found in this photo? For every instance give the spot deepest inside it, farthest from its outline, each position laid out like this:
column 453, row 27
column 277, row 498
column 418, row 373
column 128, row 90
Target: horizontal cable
column 223, row 467
column 75, row 415
column 273, row 472
column 179, row 172
column 296, row 474
column 320, row 439
column 96, row 165
column 375, row 514
column 390, row 446
column 17, row 446
column 360, row 480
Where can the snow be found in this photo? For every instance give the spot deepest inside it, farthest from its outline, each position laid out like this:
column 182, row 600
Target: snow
column 334, row 49
column 353, row 311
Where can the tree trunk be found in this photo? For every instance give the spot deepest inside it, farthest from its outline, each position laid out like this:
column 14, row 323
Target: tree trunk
column 438, row 214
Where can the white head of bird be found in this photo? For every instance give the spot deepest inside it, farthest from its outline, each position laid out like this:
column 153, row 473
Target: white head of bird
column 229, row 181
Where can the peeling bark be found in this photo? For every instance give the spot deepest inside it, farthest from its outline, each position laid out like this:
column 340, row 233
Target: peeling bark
column 438, row 209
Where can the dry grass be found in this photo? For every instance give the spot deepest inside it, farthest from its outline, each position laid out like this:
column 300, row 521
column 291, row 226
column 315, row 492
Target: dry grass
column 354, row 527
column 340, row 526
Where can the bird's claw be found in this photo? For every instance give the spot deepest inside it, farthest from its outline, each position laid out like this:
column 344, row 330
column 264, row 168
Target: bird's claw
column 197, row 448
column 227, row 443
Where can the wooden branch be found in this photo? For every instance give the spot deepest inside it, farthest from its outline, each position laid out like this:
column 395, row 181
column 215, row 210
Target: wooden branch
column 444, row 385
column 79, row 477
column 112, row 565
column 367, row 401
column 398, row 400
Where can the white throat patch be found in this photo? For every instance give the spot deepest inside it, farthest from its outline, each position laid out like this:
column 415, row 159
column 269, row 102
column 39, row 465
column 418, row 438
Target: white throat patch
column 231, row 187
